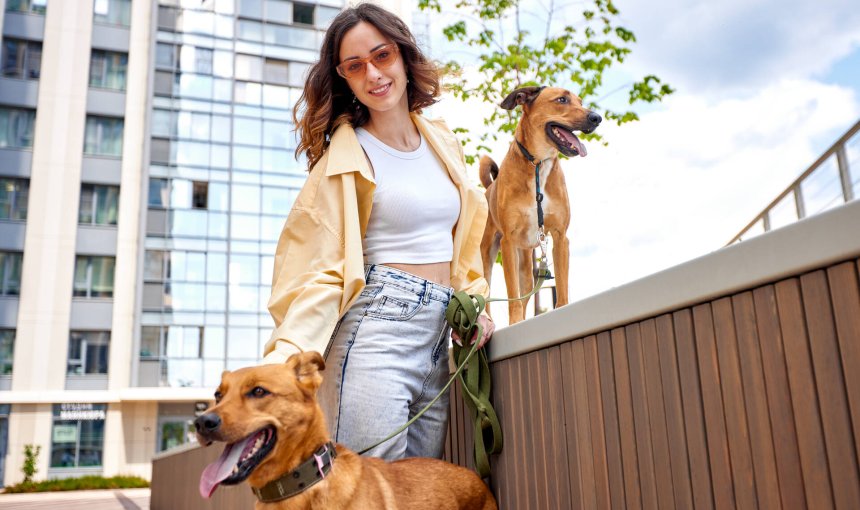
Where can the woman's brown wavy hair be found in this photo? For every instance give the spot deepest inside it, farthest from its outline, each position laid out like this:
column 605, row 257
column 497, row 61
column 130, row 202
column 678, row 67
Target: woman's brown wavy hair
column 326, row 101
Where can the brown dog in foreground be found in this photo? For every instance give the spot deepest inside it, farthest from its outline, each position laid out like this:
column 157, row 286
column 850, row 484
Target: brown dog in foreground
column 550, row 116
column 278, row 442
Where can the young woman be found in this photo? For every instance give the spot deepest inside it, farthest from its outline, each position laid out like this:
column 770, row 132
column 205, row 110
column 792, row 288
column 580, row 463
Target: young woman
column 386, row 227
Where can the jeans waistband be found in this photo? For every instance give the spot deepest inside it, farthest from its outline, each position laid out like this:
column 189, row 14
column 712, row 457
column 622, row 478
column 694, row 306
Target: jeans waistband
column 407, row 281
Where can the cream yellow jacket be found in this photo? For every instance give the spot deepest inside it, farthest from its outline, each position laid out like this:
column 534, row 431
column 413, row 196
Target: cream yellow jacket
column 319, row 262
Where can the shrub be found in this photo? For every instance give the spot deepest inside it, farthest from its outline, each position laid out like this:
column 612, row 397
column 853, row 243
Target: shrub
column 79, row 484
column 31, row 456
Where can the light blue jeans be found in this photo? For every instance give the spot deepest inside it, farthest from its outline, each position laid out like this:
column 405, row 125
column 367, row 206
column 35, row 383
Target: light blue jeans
column 387, row 359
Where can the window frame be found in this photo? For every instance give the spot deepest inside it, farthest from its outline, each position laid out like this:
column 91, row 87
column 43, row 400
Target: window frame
column 7, row 342
column 32, row 6
column 98, row 413
column 17, row 116
column 99, row 145
column 94, row 205
column 110, row 61
column 11, row 262
column 113, row 17
column 86, row 338
column 18, row 201
column 25, row 70
column 88, row 292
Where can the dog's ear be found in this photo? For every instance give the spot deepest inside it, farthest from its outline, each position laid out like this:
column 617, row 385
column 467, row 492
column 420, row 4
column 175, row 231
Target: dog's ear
column 307, row 367
column 523, row 95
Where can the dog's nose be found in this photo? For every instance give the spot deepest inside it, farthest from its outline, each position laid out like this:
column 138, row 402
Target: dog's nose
column 208, row 422
column 594, row 118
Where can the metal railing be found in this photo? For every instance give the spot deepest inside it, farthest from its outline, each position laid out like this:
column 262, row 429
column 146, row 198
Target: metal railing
column 825, row 184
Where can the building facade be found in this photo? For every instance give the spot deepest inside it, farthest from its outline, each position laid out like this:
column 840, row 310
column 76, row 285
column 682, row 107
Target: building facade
column 146, row 169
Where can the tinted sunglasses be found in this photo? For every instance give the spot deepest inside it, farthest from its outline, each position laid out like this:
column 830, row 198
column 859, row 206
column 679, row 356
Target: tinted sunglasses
column 381, row 58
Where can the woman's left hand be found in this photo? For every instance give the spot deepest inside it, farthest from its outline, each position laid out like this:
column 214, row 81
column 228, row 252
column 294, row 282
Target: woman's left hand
column 489, row 327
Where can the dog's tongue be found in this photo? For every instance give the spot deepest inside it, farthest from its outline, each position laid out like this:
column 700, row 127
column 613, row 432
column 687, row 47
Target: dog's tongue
column 219, row 470
column 574, row 142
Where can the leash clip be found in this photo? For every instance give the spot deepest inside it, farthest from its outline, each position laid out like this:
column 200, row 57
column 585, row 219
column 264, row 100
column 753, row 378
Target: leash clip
column 541, row 238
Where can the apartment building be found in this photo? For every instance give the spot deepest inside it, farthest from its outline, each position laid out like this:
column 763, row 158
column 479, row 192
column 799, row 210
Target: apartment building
column 146, row 169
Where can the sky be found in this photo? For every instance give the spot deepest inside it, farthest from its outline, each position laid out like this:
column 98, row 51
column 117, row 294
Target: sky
column 763, row 88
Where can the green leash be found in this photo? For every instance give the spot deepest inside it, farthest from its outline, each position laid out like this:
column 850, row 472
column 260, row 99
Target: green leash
column 462, row 315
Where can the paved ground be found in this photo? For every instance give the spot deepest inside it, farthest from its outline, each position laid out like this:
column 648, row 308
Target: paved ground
column 122, row 499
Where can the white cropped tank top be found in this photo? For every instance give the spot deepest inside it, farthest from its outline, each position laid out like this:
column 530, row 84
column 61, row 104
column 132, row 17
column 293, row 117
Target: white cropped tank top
column 415, row 205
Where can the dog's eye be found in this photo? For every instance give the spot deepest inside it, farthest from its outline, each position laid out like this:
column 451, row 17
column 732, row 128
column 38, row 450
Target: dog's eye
column 258, row 392
column 218, row 397
column 562, row 100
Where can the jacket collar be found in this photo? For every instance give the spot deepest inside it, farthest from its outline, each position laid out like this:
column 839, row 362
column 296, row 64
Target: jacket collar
column 350, row 157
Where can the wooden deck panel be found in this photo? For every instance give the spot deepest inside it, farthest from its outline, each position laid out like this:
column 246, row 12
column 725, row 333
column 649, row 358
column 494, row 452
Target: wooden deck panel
column 694, row 419
column 626, row 429
column 736, row 423
column 595, row 416
column 674, row 415
column 807, row 414
column 835, row 415
column 641, row 418
column 845, row 295
column 657, row 415
column 756, row 403
column 610, row 421
column 712, row 404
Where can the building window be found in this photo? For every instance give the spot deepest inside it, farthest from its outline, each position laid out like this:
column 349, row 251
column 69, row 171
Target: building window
column 94, row 276
column 251, row 9
column 108, row 69
column 88, row 352
column 159, row 193
column 165, row 56
column 249, row 67
column 13, row 198
column 99, row 204
column 112, row 12
column 29, row 6
column 276, row 71
column 10, row 273
column 16, row 128
column 188, row 356
column 175, row 431
column 21, row 59
column 7, row 350
column 303, row 13
column 200, row 194
column 103, row 136
column 77, row 435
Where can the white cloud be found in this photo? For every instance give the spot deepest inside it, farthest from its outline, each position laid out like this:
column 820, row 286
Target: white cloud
column 736, row 45
column 684, row 180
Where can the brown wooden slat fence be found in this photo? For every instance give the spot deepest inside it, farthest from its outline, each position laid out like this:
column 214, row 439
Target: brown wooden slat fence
column 751, row 400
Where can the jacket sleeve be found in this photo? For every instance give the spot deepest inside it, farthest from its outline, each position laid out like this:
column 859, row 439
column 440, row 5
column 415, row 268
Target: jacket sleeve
column 474, row 281
column 307, row 286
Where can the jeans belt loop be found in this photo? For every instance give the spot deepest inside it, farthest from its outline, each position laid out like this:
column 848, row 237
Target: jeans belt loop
column 425, row 298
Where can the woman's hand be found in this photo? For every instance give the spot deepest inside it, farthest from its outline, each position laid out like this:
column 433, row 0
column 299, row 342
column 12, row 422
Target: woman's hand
column 489, row 328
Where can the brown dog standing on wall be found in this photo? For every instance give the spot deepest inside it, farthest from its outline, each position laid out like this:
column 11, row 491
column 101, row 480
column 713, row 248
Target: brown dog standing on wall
column 277, row 440
column 550, row 116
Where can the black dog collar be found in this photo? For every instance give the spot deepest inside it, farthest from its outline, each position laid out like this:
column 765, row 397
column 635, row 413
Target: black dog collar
column 307, row 474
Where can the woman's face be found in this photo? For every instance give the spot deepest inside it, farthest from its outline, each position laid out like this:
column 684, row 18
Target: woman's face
column 381, row 90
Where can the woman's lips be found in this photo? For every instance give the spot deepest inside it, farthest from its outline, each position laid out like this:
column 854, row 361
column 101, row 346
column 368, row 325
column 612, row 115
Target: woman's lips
column 380, row 91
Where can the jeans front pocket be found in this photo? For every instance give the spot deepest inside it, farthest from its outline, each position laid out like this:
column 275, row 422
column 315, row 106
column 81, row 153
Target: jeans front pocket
column 394, row 304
